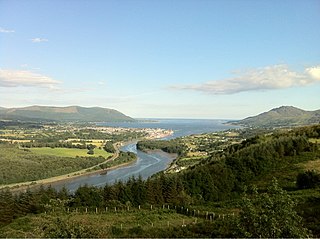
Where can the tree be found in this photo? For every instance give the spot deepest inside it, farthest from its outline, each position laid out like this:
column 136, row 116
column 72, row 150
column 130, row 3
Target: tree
column 6, row 207
column 88, row 196
column 270, row 215
column 90, row 151
column 308, row 179
column 109, row 147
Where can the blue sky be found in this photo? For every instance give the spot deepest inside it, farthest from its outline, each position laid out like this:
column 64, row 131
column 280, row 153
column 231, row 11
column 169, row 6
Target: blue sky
column 161, row 58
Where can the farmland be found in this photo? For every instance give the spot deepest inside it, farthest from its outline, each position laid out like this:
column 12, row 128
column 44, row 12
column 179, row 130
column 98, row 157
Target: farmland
column 70, row 152
column 29, row 154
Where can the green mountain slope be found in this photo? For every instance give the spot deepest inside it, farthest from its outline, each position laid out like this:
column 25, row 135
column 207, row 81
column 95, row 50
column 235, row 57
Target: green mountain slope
column 70, row 113
column 282, row 116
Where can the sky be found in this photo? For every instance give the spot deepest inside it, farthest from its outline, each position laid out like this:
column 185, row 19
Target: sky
column 210, row 59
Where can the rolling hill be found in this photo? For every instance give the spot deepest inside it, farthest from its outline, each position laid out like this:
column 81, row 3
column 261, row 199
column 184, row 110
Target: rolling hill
column 65, row 114
column 282, row 116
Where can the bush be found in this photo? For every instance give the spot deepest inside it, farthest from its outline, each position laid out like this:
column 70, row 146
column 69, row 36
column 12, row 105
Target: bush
column 308, row 179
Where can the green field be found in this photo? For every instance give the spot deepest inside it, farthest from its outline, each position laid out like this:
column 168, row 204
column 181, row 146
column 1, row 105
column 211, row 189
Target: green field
column 22, row 165
column 66, row 152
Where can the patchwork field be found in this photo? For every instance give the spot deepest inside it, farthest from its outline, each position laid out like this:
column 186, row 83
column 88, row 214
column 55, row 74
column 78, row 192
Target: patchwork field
column 66, row 152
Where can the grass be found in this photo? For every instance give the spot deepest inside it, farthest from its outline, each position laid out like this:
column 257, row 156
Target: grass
column 23, row 165
column 16, row 140
column 287, row 171
column 96, row 142
column 66, row 152
column 135, row 223
column 311, row 165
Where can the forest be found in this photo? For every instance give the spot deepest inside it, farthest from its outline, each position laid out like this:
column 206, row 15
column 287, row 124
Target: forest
column 261, row 182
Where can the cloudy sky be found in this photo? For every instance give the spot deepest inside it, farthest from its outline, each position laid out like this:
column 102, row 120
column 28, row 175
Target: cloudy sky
column 161, row 58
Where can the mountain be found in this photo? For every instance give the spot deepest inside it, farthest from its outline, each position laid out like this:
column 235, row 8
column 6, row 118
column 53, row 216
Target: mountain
column 282, row 116
column 70, row 113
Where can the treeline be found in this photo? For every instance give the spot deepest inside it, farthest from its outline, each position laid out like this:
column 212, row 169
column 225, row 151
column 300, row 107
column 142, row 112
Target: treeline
column 80, row 145
column 124, row 157
column 108, row 146
column 169, row 146
column 18, row 205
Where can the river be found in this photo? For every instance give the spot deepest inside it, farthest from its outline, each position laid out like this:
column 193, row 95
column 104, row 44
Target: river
column 147, row 164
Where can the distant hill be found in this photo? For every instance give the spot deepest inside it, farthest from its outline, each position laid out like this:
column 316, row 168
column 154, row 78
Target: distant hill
column 70, row 113
column 282, row 116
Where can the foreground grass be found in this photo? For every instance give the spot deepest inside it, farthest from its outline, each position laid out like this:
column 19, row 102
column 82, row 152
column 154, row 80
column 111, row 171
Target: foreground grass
column 69, row 152
column 137, row 223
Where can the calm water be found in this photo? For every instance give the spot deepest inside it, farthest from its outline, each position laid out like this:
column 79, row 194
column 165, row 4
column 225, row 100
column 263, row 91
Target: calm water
column 151, row 163
column 181, row 127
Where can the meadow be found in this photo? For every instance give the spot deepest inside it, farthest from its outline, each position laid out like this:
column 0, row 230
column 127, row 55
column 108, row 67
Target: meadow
column 22, row 165
column 124, row 223
column 69, row 152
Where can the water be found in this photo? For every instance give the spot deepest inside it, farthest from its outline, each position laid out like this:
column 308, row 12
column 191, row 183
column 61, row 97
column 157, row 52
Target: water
column 181, row 127
column 147, row 164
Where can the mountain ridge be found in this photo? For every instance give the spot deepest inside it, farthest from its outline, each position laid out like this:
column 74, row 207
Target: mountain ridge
column 67, row 113
column 280, row 117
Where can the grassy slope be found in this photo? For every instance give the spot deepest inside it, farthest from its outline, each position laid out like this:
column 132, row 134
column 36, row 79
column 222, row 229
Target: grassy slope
column 17, row 165
column 135, row 223
column 66, row 152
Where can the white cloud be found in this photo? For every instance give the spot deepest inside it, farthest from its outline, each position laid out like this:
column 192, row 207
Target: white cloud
column 314, row 72
column 2, row 30
column 37, row 40
column 266, row 78
column 16, row 78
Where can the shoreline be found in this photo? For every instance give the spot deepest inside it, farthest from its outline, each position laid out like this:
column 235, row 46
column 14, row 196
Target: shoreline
column 23, row 186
